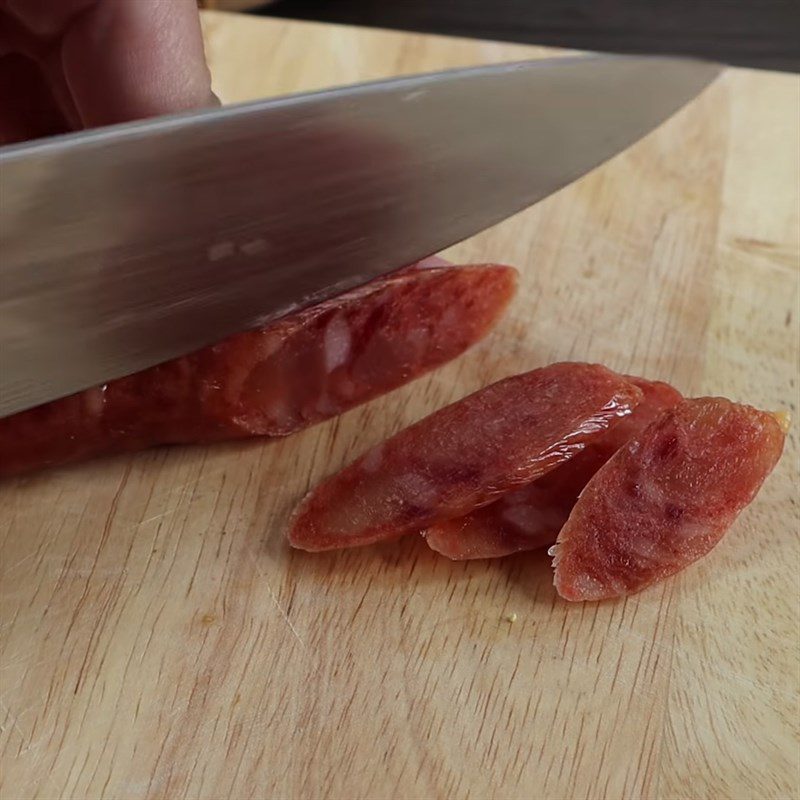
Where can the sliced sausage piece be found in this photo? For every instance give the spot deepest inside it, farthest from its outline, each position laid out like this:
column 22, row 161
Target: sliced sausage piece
column 463, row 456
column 666, row 498
column 532, row 516
column 294, row 372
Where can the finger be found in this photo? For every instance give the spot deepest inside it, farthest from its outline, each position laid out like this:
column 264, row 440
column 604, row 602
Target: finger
column 14, row 36
column 28, row 96
column 46, row 18
column 139, row 58
column 28, row 107
column 51, row 66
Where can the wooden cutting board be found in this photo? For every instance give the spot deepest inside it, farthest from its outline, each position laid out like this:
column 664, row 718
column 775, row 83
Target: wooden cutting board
column 160, row 640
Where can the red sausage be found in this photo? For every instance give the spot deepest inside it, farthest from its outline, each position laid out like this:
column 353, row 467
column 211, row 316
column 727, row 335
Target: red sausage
column 666, row 498
column 294, row 372
column 532, row 516
column 463, row 456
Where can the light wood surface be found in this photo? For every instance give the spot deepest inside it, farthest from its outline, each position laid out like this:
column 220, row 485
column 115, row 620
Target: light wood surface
column 159, row 640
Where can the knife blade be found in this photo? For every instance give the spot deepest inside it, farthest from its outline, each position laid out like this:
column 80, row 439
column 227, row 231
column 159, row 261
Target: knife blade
column 126, row 246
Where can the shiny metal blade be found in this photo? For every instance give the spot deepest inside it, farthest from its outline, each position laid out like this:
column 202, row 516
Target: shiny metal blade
column 127, row 246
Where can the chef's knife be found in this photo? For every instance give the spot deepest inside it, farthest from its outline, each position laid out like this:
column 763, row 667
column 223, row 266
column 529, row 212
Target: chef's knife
column 126, row 246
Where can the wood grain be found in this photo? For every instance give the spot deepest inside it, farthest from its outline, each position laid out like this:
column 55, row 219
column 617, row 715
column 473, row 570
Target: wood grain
column 159, row 640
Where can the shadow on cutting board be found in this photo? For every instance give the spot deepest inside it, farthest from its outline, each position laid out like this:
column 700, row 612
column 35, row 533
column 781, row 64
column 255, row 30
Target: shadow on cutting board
column 394, row 564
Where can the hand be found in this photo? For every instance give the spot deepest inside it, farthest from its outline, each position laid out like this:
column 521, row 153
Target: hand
column 70, row 64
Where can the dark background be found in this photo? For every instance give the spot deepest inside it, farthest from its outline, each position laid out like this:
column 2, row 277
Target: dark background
column 755, row 33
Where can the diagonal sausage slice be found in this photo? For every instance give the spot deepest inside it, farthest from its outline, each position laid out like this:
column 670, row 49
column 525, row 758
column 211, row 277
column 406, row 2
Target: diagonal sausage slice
column 666, row 498
column 531, row 517
column 463, row 456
